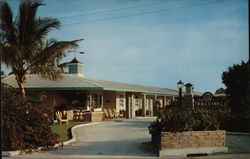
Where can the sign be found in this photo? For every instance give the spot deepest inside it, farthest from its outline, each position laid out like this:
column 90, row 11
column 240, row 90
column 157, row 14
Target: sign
column 207, row 96
column 207, row 99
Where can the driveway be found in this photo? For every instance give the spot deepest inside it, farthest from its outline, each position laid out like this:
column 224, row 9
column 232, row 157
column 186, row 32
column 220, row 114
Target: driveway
column 110, row 139
column 124, row 139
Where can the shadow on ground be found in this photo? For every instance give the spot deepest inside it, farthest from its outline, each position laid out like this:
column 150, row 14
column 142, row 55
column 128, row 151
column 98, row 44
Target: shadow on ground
column 114, row 148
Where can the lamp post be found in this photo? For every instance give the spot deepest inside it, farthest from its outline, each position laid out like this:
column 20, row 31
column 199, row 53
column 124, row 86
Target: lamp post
column 180, row 85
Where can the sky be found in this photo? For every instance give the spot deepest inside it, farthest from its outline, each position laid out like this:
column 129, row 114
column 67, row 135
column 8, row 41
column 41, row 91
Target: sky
column 153, row 42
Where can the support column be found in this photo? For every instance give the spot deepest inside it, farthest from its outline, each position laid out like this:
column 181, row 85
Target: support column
column 165, row 101
column 154, row 106
column 90, row 102
column 151, row 107
column 132, row 106
column 128, row 105
column 144, row 100
column 102, row 100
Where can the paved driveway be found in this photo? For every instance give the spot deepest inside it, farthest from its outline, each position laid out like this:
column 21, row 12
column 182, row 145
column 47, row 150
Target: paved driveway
column 109, row 139
column 124, row 139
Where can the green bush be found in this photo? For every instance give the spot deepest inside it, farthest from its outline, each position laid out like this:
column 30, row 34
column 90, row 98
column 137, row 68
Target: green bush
column 178, row 120
column 23, row 125
column 237, row 122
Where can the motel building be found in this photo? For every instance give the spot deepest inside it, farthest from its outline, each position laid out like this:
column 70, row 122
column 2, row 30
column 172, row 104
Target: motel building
column 85, row 98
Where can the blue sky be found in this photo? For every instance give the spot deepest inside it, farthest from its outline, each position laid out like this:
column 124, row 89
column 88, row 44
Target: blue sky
column 154, row 42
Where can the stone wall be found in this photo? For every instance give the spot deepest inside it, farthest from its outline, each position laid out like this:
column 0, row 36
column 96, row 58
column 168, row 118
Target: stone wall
column 192, row 139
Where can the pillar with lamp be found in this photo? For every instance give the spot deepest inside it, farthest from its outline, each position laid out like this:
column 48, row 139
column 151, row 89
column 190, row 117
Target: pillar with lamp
column 180, row 85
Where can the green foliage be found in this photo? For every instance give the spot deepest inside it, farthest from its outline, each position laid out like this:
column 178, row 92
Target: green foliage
column 175, row 119
column 236, row 80
column 220, row 91
column 237, row 122
column 23, row 125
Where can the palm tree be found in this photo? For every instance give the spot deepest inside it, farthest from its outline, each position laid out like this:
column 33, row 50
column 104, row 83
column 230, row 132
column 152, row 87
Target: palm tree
column 24, row 45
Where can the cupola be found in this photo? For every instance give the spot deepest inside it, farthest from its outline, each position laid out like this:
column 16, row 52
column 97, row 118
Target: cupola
column 75, row 67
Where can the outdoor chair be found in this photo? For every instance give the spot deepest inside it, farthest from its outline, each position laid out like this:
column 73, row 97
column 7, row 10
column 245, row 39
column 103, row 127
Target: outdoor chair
column 106, row 114
column 60, row 119
column 116, row 114
column 112, row 115
column 122, row 113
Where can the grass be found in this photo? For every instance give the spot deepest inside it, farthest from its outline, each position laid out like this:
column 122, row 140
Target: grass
column 64, row 130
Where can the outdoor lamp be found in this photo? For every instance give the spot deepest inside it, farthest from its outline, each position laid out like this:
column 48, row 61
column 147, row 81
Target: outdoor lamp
column 180, row 85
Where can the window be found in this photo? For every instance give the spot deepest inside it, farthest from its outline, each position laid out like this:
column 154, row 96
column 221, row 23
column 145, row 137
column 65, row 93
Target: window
column 121, row 101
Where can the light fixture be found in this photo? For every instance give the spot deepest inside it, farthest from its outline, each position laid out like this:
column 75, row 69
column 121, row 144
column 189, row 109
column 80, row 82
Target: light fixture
column 180, row 84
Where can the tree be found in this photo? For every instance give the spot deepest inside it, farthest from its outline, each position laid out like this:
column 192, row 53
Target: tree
column 220, row 91
column 236, row 80
column 25, row 48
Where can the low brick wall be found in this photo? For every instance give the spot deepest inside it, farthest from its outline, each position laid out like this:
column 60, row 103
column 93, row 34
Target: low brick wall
column 93, row 116
column 181, row 144
column 193, row 139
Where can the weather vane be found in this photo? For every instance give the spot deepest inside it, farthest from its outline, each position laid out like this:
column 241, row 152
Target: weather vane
column 81, row 52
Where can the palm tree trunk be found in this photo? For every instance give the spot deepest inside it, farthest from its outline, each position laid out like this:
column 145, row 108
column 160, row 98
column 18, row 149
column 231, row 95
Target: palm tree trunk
column 20, row 82
column 21, row 89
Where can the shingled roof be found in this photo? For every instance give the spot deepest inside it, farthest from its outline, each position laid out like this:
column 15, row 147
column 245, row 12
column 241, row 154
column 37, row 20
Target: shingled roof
column 73, row 82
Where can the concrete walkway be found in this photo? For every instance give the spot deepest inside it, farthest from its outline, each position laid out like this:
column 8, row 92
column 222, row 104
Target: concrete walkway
column 110, row 139
column 124, row 139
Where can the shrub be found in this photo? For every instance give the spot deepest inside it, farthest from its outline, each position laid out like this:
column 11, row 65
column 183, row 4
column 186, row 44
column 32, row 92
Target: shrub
column 237, row 122
column 24, row 126
column 178, row 120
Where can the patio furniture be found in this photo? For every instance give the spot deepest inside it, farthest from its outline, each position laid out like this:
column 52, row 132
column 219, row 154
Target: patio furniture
column 106, row 114
column 78, row 115
column 116, row 114
column 111, row 114
column 122, row 114
column 60, row 119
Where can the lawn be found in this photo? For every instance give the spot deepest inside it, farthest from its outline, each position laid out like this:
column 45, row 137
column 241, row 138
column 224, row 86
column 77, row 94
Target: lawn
column 64, row 130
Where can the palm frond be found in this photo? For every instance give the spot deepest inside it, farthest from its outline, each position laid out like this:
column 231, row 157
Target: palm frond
column 43, row 26
column 48, row 72
column 26, row 21
column 7, row 27
column 51, row 52
column 9, row 54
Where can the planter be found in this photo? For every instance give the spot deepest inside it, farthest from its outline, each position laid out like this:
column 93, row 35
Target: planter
column 186, row 143
column 93, row 116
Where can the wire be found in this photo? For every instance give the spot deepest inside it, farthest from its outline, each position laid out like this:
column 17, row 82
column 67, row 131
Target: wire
column 141, row 14
column 110, row 10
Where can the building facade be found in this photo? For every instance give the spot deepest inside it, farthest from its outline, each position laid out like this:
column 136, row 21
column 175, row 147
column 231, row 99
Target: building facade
column 81, row 92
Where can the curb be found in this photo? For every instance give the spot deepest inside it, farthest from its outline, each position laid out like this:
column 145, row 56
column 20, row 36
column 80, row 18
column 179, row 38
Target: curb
column 238, row 133
column 18, row 152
